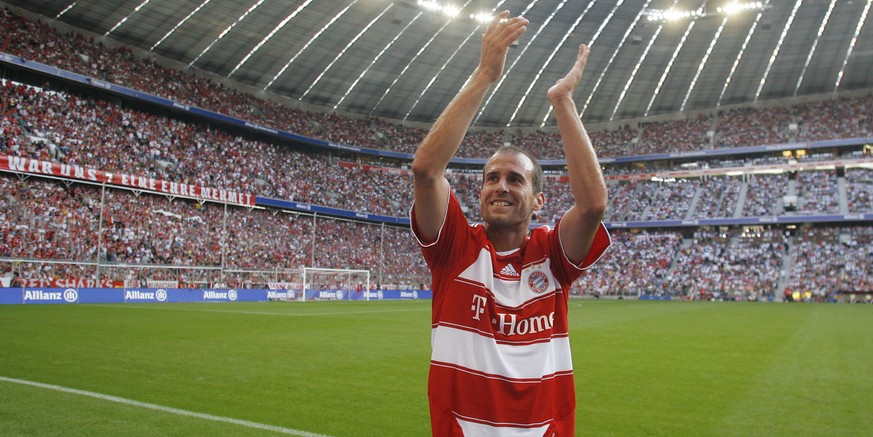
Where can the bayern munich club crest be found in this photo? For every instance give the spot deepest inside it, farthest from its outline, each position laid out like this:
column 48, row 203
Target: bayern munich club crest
column 538, row 281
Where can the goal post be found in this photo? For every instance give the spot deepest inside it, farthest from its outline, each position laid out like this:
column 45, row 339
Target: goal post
column 334, row 284
column 313, row 283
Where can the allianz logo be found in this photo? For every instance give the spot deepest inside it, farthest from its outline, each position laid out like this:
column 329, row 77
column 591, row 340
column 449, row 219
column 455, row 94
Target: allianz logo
column 375, row 294
column 158, row 296
column 220, row 295
column 327, row 294
column 69, row 295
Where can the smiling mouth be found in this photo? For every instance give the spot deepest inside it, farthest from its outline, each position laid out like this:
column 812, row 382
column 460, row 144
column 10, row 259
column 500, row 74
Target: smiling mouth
column 501, row 203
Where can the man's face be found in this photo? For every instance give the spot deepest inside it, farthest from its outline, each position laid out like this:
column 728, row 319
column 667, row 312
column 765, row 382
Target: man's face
column 507, row 197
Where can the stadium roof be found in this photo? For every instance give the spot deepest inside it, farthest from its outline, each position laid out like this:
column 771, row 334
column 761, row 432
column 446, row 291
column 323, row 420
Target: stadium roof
column 404, row 60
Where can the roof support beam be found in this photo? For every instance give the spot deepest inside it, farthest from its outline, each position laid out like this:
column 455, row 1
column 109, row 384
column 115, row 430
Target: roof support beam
column 852, row 44
column 821, row 28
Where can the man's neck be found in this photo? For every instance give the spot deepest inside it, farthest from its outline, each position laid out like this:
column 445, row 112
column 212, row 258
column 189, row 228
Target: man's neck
column 506, row 239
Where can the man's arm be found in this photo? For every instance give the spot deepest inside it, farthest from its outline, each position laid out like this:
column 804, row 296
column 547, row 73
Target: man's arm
column 444, row 139
column 581, row 221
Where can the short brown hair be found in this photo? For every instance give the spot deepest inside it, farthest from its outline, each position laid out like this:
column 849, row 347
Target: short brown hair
column 537, row 174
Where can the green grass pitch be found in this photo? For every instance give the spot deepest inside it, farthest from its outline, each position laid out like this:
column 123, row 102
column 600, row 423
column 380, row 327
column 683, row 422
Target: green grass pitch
column 360, row 369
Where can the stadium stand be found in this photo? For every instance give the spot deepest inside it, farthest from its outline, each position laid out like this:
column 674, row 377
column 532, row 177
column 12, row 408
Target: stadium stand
column 829, row 261
column 54, row 229
column 638, row 263
column 733, row 264
column 859, row 188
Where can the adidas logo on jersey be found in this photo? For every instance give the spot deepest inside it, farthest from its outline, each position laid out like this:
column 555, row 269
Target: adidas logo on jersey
column 509, row 271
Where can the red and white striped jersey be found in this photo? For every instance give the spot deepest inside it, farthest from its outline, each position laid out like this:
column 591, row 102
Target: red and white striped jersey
column 501, row 363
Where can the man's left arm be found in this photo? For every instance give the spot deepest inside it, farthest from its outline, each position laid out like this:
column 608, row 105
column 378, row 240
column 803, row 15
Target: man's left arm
column 581, row 222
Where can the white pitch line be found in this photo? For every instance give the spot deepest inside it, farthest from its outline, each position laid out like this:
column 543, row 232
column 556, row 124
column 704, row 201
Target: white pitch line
column 164, row 409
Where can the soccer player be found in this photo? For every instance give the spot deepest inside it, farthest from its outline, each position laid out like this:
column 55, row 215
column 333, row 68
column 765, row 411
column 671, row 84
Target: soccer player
column 501, row 363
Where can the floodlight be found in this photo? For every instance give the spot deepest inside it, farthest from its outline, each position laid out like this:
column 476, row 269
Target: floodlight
column 429, row 5
column 482, row 17
column 451, row 11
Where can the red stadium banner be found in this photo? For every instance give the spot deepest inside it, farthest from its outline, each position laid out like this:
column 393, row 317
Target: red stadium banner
column 70, row 283
column 35, row 166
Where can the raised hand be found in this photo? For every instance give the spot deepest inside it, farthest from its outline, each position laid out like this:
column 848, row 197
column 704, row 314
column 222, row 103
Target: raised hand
column 501, row 33
column 565, row 86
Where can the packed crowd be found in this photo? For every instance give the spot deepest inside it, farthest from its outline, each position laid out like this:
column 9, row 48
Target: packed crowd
column 766, row 196
column 719, row 197
column 90, row 133
column 638, row 262
column 675, row 136
column 670, row 200
column 859, row 189
column 827, row 263
column 49, row 220
column 60, row 127
column 830, row 261
column 818, row 192
column 44, row 219
column 39, row 41
column 62, row 222
column 762, row 195
column 729, row 263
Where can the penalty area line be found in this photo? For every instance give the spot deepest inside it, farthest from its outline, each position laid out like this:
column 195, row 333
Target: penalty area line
column 155, row 407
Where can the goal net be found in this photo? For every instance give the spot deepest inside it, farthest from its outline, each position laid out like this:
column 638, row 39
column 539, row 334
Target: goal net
column 310, row 283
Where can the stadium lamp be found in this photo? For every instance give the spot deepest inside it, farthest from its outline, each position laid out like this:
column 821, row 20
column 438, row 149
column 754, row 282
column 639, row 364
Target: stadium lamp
column 671, row 14
column 734, row 7
column 660, row 15
column 453, row 11
column 482, row 17
column 448, row 10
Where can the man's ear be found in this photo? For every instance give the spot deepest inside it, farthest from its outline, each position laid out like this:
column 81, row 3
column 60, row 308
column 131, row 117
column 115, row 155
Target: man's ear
column 539, row 201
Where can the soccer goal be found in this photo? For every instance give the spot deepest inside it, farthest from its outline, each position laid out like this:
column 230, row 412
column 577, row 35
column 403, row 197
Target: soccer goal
column 310, row 283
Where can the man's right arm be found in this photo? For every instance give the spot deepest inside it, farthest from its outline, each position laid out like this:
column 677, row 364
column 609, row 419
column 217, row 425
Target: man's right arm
column 441, row 144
